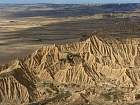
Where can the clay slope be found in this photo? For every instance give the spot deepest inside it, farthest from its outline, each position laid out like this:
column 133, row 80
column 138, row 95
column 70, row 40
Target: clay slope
column 88, row 63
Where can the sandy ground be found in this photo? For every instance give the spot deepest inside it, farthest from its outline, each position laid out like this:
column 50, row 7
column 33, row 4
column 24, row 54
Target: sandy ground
column 21, row 36
column 12, row 46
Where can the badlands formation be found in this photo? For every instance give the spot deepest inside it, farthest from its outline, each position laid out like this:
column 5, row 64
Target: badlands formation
column 93, row 71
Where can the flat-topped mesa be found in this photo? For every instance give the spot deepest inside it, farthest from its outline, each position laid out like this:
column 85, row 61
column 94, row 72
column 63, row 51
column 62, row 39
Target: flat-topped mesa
column 85, row 63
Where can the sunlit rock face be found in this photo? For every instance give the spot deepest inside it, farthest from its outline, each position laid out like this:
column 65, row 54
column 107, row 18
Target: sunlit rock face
column 91, row 62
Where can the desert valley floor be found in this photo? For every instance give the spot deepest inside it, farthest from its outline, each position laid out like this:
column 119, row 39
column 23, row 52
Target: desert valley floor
column 56, row 54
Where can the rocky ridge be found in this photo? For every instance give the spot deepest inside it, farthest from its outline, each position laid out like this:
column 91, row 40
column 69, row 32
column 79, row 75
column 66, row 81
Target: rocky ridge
column 94, row 67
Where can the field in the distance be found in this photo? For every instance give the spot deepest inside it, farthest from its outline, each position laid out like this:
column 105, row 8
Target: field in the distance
column 24, row 28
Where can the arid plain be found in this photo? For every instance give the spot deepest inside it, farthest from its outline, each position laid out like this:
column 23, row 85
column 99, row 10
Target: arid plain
column 69, row 54
column 24, row 28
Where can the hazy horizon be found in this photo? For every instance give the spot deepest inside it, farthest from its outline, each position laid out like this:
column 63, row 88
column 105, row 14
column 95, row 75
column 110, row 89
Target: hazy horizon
column 68, row 1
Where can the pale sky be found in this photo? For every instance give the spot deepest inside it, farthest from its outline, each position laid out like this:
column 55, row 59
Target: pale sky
column 69, row 1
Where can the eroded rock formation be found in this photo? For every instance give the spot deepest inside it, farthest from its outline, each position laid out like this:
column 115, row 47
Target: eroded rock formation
column 88, row 63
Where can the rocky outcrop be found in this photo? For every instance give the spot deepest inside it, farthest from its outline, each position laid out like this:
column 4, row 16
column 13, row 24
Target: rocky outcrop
column 87, row 63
